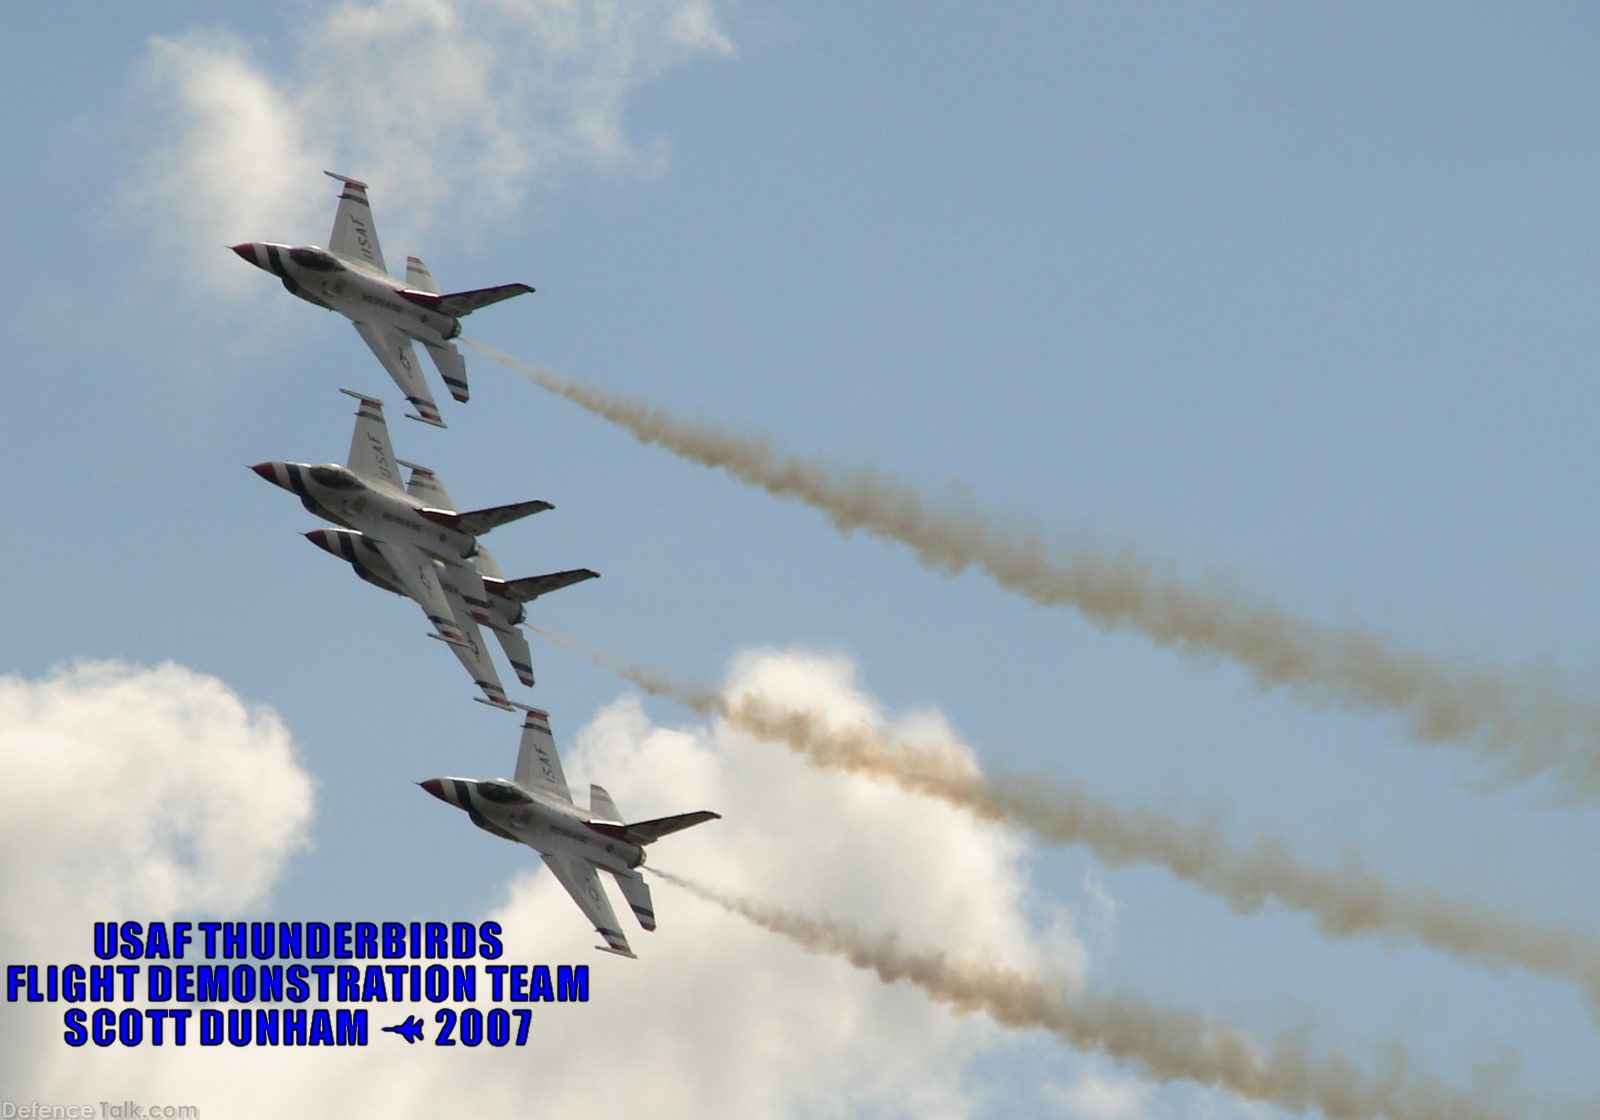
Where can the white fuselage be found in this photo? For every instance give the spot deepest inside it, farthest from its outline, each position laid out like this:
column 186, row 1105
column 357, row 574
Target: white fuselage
column 497, row 612
column 340, row 495
column 531, row 817
column 355, row 290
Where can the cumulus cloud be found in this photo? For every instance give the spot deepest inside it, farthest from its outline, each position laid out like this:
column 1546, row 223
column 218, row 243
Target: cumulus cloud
column 452, row 108
column 717, row 1017
column 134, row 790
column 130, row 792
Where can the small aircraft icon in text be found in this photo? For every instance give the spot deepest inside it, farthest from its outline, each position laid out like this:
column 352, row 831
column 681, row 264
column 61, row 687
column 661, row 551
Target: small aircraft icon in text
column 410, row 1030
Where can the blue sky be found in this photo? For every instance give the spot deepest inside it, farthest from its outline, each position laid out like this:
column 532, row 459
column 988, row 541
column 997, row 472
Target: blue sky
column 1294, row 299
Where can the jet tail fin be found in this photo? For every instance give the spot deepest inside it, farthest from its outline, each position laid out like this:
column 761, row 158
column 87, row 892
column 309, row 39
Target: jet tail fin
column 601, row 805
column 425, row 486
column 418, row 277
column 457, row 304
column 486, row 564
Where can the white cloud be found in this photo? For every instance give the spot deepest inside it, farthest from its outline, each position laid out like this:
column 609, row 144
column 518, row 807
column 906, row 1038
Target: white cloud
column 234, row 156
column 138, row 790
column 717, row 1017
column 1102, row 906
column 1098, row 1095
column 451, row 108
column 130, row 793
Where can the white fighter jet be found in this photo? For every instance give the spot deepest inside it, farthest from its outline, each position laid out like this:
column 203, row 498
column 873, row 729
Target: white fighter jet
column 414, row 528
column 535, row 808
column 477, row 594
column 349, row 277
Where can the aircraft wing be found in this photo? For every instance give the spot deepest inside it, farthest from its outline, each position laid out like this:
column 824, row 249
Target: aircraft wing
column 583, row 884
column 371, row 455
column 529, row 588
column 394, row 350
column 354, row 237
column 474, row 657
column 538, row 764
column 418, row 579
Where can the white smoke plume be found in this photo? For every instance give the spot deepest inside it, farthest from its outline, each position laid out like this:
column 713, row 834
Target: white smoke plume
column 1521, row 725
column 1346, row 899
column 1164, row 1044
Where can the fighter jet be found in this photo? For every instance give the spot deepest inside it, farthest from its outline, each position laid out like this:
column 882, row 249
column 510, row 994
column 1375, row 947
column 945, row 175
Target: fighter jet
column 349, row 277
column 535, row 808
column 415, row 528
column 476, row 591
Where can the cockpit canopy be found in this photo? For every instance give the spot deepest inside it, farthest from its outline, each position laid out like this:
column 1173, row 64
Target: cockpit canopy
column 321, row 260
column 503, row 792
column 334, row 477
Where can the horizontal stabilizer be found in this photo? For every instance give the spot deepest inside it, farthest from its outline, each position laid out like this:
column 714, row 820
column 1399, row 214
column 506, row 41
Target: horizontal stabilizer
column 452, row 367
column 648, row 832
column 629, row 953
column 515, row 643
column 529, row 588
column 637, row 892
column 457, row 304
column 482, row 520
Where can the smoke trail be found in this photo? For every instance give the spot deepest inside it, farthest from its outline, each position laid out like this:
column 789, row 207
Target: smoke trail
column 1165, row 1044
column 1523, row 725
column 1345, row 900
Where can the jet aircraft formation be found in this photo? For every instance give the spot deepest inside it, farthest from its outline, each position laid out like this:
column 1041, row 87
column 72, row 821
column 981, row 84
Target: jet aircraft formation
column 407, row 536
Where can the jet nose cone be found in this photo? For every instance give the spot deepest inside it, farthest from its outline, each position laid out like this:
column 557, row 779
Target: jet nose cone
column 435, row 787
column 247, row 252
column 270, row 472
column 323, row 539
